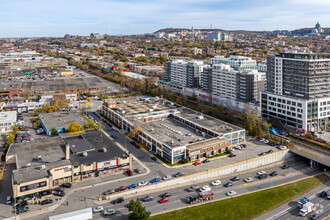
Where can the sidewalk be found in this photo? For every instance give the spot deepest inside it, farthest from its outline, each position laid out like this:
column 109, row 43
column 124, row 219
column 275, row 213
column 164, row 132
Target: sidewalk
column 290, row 206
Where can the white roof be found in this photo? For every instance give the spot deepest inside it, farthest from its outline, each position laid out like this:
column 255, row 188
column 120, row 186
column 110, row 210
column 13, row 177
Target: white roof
column 81, row 214
column 6, row 117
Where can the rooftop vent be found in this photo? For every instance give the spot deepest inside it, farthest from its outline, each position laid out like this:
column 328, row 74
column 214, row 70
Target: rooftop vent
column 85, row 154
column 104, row 149
column 28, row 165
column 43, row 167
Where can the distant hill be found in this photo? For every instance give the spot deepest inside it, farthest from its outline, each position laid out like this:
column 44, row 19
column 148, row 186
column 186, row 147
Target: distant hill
column 304, row 31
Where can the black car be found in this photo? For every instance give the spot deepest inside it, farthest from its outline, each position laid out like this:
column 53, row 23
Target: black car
column 228, row 184
column 262, row 176
column 154, row 158
column 147, row 198
column 46, row 201
column 270, row 151
column 206, row 161
column 165, row 195
column 118, row 200
column 274, row 173
column 272, row 144
column 178, row 174
column 66, row 185
column 59, row 189
column 261, row 154
column 315, row 216
column 232, row 155
column 284, row 167
column 22, row 204
column 236, row 178
column 59, row 193
column 21, row 210
column 323, row 194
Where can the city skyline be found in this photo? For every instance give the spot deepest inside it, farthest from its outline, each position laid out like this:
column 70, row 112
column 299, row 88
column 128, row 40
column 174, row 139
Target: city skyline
column 34, row 18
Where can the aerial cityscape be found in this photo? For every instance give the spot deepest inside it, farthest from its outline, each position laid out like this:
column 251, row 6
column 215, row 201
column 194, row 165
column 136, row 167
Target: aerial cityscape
column 165, row 110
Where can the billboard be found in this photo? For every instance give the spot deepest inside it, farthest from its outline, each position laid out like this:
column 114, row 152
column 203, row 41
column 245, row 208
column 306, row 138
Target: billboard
column 105, row 164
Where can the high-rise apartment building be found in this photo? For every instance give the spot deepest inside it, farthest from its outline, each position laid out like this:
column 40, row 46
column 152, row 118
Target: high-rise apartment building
column 298, row 90
column 186, row 74
column 235, row 62
column 249, row 84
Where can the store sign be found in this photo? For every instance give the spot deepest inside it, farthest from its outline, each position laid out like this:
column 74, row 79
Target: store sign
column 33, row 186
column 194, row 153
column 66, row 169
column 105, row 164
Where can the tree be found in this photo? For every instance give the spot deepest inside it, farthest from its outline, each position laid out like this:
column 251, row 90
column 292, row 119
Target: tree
column 74, row 127
column 36, row 124
column 10, row 139
column 138, row 212
column 53, row 131
column 61, row 103
column 89, row 99
column 14, row 129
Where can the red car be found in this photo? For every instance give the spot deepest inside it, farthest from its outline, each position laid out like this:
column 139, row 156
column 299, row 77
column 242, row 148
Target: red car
column 129, row 172
column 197, row 163
column 165, row 199
column 122, row 188
column 258, row 138
column 244, row 145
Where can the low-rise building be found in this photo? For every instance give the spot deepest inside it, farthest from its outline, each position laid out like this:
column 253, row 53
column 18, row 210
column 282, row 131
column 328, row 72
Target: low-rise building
column 7, row 119
column 172, row 131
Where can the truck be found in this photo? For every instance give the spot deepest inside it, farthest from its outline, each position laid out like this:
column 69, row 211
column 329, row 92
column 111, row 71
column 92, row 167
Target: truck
column 302, row 201
column 306, row 209
column 200, row 197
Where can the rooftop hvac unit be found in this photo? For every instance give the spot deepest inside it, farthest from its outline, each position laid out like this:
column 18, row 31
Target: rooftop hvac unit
column 104, row 149
column 172, row 142
column 43, row 167
column 85, row 154
column 200, row 117
column 28, row 165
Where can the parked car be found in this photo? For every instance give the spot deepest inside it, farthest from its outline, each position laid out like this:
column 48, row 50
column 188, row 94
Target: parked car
column 59, row 189
column 192, row 188
column 231, row 193
column 261, row 172
column 262, row 176
column 244, row 145
column 166, row 194
column 59, row 193
column 40, row 131
column 228, row 184
column 261, row 154
column 248, row 180
column 178, row 174
column 138, row 170
column 155, row 180
column 98, row 209
column 110, row 191
column 109, row 212
column 216, row 183
column 143, row 183
column 197, row 163
column 154, row 158
column 274, row 173
column 206, row 161
column 46, row 201
column 167, row 177
column 8, row 200
column 67, row 185
column 22, row 204
column 129, row 172
column 118, row 200
column 232, row 155
column 236, row 178
column 163, row 200
column 270, row 151
column 122, row 188
column 132, row 186
column 147, row 198
column 22, row 210
column 284, row 167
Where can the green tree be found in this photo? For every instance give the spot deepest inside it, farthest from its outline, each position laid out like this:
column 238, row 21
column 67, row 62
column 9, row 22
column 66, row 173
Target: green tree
column 10, row 139
column 36, row 124
column 14, row 129
column 138, row 212
column 53, row 131
column 74, row 127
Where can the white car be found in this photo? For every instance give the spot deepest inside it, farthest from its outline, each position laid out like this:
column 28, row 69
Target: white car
column 261, row 172
column 248, row 180
column 282, row 147
column 166, row 177
column 231, row 193
column 98, row 209
column 204, row 189
column 109, row 212
column 266, row 141
column 216, row 183
column 143, row 183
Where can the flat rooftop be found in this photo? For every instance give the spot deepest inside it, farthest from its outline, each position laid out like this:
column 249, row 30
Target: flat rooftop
column 173, row 133
column 61, row 119
column 94, row 143
column 6, row 117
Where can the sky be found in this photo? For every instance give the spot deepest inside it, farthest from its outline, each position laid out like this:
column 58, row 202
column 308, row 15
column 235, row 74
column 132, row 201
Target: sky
column 40, row 18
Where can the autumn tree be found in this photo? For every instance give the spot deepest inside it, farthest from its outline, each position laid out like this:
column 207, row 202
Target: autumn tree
column 61, row 103
column 74, row 127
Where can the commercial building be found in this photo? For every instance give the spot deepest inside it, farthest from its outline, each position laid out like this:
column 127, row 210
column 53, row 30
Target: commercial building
column 172, row 131
column 7, row 119
column 59, row 120
column 186, row 74
column 44, row 164
column 249, row 84
column 218, row 36
column 235, row 62
column 298, row 90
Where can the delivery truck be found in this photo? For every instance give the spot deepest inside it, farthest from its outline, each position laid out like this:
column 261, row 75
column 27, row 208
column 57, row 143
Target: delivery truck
column 306, row 209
